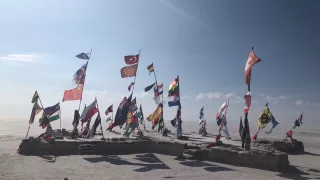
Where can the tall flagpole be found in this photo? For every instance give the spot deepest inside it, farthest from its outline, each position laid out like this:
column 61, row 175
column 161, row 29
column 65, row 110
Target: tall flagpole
column 134, row 81
column 84, row 79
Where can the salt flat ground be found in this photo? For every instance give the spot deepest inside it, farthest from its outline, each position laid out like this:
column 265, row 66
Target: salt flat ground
column 141, row 166
column 145, row 166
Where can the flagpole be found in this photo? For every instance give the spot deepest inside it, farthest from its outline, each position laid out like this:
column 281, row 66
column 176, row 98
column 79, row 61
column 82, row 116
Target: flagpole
column 134, row 81
column 60, row 118
column 84, row 80
column 100, row 120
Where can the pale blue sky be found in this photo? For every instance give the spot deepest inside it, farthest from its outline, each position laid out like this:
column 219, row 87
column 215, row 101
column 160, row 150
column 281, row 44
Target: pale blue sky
column 205, row 42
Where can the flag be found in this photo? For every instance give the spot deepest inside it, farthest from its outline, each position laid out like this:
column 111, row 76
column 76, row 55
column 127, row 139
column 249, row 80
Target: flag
column 174, row 93
column 130, row 85
column 129, row 71
column 35, row 97
column 53, row 112
column 122, row 111
column 156, row 94
column 131, row 59
column 160, row 89
column 134, row 102
column 174, row 87
column 89, row 111
column 132, row 124
column 110, row 109
column 220, row 117
column 174, row 101
column 201, row 114
column 146, row 89
column 78, row 77
column 83, row 56
column 141, row 112
column 247, row 99
column 156, row 115
column 252, row 60
column 73, row 94
column 36, row 109
column 96, row 123
column 265, row 117
column 150, row 68
column 274, row 124
column 289, row 133
column 108, row 119
column 44, row 121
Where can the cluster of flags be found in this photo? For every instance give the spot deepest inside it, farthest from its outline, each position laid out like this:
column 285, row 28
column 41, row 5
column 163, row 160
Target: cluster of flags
column 78, row 80
column 131, row 70
column 252, row 60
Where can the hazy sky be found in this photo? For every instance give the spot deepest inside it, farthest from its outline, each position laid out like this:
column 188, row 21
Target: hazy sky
column 205, row 42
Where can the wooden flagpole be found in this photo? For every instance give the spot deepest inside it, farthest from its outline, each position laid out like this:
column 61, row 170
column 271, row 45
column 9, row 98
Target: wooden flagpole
column 84, row 80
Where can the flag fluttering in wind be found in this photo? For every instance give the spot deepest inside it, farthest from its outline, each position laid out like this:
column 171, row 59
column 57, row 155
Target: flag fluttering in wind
column 221, row 113
column 109, row 110
column 79, row 75
column 131, row 59
column 156, row 115
column 150, row 68
column 274, row 124
column 52, row 112
column 121, row 114
column 140, row 114
column 83, row 55
column 201, row 117
column 174, row 93
column 132, row 123
column 73, row 94
column 247, row 99
column 89, row 111
column 252, row 60
column 129, row 71
column 36, row 109
column 35, row 97
column 296, row 123
column 146, row 89
column 130, row 85
column 96, row 123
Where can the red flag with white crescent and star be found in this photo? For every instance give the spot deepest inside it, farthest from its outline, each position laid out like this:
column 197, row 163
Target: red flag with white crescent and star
column 129, row 71
column 131, row 59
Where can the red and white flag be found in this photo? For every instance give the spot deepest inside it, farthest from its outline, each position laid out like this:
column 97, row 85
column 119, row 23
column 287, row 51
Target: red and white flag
column 130, row 85
column 131, row 59
column 252, row 60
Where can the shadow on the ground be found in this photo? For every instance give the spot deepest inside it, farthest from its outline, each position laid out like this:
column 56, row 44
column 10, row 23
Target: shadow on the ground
column 48, row 158
column 296, row 174
column 206, row 166
column 153, row 162
column 311, row 154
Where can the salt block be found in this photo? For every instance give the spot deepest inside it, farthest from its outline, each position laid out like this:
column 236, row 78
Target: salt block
column 291, row 146
column 267, row 160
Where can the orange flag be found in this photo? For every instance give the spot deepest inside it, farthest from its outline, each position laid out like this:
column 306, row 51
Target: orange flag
column 73, row 94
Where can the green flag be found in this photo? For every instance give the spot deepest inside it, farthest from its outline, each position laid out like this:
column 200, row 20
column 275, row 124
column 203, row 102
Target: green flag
column 35, row 97
column 35, row 110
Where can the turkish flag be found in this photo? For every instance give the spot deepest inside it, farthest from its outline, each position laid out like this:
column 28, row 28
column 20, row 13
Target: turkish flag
column 131, row 59
column 73, row 94
column 129, row 71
